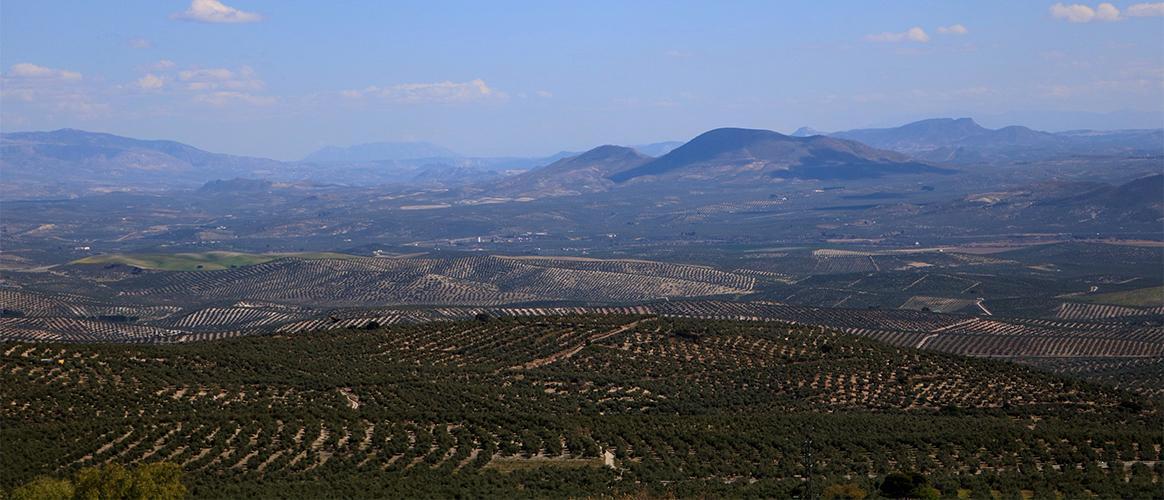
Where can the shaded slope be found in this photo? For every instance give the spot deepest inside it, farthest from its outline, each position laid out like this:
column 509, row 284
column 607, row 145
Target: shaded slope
column 585, row 173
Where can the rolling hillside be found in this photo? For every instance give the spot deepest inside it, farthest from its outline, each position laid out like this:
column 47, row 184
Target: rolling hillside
column 585, row 173
column 622, row 404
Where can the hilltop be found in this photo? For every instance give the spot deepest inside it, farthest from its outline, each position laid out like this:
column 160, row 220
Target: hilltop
column 586, row 172
column 747, row 155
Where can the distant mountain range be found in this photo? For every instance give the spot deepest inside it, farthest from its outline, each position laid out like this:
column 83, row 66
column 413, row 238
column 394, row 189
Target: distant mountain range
column 70, row 162
column 962, row 140
column 402, row 151
column 62, row 161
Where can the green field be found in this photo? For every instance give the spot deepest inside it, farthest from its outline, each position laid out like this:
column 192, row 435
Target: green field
column 201, row 261
column 1142, row 297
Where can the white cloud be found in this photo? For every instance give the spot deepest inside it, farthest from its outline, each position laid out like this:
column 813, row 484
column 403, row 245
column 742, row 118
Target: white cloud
column 544, row 93
column 914, row 34
column 1080, row 13
column 227, row 98
column 33, row 71
column 46, row 91
column 1107, row 12
column 151, row 82
column 953, row 29
column 218, row 87
column 436, row 92
column 206, row 74
column 243, row 78
column 214, row 11
column 1076, row 13
column 140, row 43
column 1146, row 10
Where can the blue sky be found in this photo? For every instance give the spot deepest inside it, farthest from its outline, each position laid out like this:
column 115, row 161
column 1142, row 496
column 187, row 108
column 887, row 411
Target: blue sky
column 280, row 78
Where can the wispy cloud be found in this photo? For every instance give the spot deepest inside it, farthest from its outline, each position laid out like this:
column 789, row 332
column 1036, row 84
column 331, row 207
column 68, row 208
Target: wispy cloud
column 49, row 91
column 229, row 98
column 921, row 95
column 1082, row 13
column 218, row 87
column 36, row 72
column 213, row 11
column 140, row 43
column 437, row 92
column 1146, row 10
column 243, row 78
column 953, row 29
column 914, row 34
column 151, row 82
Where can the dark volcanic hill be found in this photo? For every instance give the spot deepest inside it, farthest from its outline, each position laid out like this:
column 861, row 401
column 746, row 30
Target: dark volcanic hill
column 585, row 173
column 735, row 155
column 962, row 140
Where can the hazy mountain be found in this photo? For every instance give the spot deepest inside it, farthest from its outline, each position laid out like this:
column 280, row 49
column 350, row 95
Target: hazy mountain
column 380, row 151
column 1149, row 141
column 80, row 148
column 962, row 140
column 66, row 159
column 807, row 132
column 584, row 173
column 746, row 155
column 658, row 148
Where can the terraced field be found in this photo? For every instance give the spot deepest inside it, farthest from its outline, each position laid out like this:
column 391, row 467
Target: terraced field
column 1025, row 340
column 945, row 301
column 208, row 261
column 570, row 406
column 484, row 280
